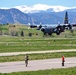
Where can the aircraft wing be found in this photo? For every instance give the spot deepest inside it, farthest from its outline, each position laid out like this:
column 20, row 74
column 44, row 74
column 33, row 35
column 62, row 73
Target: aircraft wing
column 74, row 25
column 33, row 26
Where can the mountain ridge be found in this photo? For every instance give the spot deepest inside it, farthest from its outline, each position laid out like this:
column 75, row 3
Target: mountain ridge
column 48, row 16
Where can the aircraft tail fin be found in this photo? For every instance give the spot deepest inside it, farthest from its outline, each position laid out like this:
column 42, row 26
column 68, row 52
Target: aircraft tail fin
column 66, row 18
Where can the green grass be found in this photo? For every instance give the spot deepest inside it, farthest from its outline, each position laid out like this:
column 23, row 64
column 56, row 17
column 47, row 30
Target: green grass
column 20, row 44
column 68, row 71
column 37, row 56
column 36, row 42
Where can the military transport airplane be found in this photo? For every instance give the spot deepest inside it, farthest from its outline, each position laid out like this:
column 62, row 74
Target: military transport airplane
column 56, row 28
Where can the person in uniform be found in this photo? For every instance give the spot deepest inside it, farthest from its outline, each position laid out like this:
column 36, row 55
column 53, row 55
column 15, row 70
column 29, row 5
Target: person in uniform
column 26, row 60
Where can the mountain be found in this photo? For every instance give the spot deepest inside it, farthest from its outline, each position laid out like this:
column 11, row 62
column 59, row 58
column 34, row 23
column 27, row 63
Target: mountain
column 13, row 16
column 40, row 7
column 35, row 14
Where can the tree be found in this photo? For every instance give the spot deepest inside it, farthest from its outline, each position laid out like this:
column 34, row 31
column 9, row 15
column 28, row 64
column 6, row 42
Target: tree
column 30, row 34
column 22, row 33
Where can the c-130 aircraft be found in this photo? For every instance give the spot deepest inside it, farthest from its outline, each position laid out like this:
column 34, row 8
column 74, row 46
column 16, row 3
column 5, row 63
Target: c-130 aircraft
column 58, row 28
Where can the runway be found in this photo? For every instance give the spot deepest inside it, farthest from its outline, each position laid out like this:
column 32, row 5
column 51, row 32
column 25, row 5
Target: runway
column 35, row 65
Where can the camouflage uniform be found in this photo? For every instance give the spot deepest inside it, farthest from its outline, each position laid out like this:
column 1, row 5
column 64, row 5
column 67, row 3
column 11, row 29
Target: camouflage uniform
column 26, row 60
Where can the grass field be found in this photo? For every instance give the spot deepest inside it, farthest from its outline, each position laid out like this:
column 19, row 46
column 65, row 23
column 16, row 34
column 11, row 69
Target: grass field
column 68, row 71
column 8, row 43
column 37, row 56
column 20, row 44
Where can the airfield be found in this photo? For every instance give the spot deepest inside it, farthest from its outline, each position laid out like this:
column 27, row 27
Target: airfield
column 16, row 45
column 34, row 65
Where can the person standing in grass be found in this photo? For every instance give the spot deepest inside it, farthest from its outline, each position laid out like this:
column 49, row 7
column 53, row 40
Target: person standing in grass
column 63, row 60
column 26, row 60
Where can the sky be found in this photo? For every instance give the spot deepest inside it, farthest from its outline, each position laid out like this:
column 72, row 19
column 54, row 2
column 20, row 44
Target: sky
column 13, row 3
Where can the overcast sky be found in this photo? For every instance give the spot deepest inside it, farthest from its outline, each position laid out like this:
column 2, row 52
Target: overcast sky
column 13, row 3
